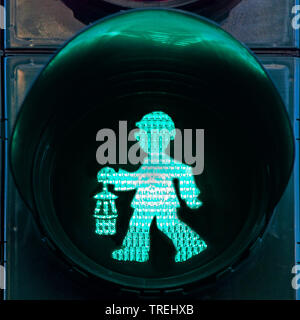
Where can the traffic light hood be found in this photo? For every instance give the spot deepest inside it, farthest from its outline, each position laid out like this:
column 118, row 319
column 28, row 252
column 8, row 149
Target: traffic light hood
column 216, row 66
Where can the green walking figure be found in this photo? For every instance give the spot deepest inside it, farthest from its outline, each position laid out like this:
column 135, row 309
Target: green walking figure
column 156, row 195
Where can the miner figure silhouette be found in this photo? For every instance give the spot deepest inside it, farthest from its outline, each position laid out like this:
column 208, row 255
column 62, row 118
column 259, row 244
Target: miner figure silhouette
column 155, row 193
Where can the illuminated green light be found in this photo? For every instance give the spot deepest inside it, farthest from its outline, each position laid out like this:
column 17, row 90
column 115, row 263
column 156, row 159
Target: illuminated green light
column 155, row 196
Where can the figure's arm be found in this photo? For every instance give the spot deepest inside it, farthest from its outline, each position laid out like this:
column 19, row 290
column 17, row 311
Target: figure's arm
column 188, row 189
column 122, row 180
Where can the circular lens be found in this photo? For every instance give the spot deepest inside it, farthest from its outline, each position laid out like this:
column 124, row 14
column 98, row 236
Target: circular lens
column 224, row 221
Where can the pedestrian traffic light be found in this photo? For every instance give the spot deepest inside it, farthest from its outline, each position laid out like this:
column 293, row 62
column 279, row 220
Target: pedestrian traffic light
column 182, row 197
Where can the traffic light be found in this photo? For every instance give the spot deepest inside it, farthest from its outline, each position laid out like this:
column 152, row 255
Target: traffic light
column 182, row 73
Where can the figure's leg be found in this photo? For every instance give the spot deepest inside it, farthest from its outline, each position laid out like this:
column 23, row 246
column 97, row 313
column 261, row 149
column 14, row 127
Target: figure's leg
column 186, row 241
column 136, row 244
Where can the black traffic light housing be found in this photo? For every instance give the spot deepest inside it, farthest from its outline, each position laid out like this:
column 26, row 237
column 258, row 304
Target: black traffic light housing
column 209, row 81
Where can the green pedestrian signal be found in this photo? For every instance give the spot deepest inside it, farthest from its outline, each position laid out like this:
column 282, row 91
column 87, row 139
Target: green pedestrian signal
column 155, row 195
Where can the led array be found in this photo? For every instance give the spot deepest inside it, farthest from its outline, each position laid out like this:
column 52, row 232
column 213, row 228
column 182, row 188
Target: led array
column 155, row 196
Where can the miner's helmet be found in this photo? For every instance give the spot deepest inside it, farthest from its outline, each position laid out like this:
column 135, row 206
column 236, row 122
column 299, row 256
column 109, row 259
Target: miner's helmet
column 157, row 121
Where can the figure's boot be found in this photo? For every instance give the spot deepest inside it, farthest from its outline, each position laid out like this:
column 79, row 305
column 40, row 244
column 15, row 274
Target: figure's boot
column 186, row 241
column 131, row 254
column 135, row 247
column 185, row 253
